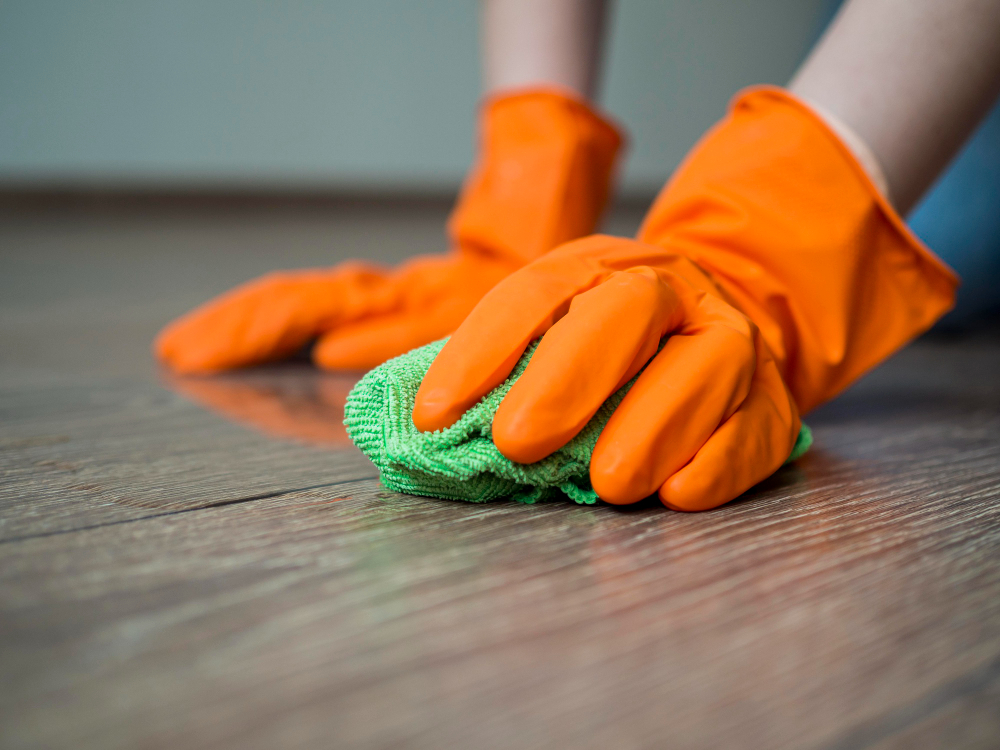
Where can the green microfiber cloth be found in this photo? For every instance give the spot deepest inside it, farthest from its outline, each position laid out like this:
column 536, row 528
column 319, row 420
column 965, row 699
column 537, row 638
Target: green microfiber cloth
column 461, row 462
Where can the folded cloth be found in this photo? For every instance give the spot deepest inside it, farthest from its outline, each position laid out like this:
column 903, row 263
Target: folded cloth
column 461, row 462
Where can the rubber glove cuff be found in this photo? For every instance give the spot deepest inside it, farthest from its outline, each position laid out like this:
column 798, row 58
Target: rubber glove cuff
column 780, row 212
column 545, row 169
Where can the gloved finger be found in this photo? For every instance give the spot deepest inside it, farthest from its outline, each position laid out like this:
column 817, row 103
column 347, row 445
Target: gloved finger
column 369, row 343
column 697, row 381
column 437, row 297
column 270, row 318
column 609, row 333
column 485, row 348
column 746, row 449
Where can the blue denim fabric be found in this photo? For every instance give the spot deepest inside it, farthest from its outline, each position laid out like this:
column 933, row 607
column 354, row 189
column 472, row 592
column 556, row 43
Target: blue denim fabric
column 959, row 219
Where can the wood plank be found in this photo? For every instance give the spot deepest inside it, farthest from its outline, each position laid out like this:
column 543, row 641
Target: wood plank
column 89, row 431
column 90, row 453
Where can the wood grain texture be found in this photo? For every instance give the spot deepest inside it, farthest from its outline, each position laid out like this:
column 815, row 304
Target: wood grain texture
column 205, row 565
column 93, row 452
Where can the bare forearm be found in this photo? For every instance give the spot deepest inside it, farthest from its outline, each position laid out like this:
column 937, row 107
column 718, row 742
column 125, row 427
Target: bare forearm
column 911, row 78
column 531, row 42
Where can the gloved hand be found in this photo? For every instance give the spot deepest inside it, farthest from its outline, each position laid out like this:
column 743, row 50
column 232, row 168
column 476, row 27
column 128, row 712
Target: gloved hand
column 781, row 275
column 542, row 178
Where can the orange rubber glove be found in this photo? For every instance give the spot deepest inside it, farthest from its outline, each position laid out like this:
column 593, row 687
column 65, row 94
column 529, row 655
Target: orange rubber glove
column 781, row 275
column 543, row 176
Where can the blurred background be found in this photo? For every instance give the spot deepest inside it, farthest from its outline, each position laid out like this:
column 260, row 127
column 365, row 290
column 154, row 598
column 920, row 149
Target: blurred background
column 373, row 96
column 324, row 103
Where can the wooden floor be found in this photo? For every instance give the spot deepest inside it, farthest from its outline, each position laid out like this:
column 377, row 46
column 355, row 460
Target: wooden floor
column 209, row 564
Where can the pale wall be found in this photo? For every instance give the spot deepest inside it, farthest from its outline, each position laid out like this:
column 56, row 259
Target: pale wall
column 346, row 93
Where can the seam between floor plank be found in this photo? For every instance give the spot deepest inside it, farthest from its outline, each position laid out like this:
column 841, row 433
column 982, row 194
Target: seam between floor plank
column 218, row 504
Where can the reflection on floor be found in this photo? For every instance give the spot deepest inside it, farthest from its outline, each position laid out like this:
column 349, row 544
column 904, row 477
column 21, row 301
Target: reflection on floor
column 293, row 401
